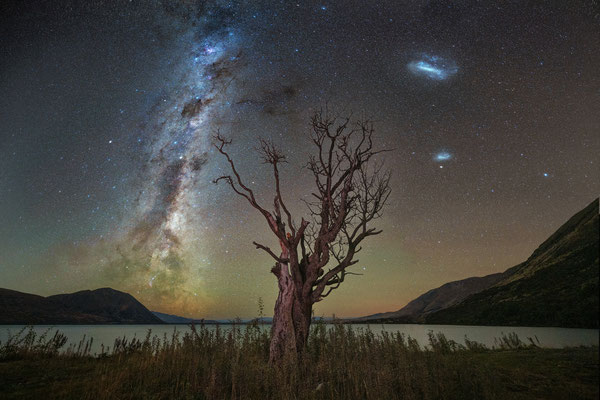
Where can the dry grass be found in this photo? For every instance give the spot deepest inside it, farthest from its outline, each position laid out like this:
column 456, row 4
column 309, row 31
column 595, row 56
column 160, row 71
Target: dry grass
column 340, row 363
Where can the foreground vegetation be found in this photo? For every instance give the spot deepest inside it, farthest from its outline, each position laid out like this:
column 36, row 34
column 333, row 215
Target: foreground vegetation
column 340, row 363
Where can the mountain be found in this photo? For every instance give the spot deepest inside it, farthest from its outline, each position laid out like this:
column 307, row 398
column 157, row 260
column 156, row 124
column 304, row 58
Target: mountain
column 434, row 300
column 100, row 306
column 556, row 286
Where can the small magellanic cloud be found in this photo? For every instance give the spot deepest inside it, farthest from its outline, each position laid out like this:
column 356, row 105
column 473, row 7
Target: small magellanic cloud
column 442, row 156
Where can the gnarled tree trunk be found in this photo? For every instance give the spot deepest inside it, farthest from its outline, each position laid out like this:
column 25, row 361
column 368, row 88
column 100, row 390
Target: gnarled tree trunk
column 291, row 318
column 283, row 338
column 348, row 197
column 302, row 316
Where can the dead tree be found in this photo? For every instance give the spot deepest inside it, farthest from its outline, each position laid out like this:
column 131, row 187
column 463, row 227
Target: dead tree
column 316, row 253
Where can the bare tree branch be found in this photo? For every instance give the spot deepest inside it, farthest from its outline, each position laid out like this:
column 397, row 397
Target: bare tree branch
column 272, row 155
column 270, row 252
column 220, row 144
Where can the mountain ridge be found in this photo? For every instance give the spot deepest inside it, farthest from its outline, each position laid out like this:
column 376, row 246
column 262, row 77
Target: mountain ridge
column 436, row 299
column 556, row 286
column 99, row 306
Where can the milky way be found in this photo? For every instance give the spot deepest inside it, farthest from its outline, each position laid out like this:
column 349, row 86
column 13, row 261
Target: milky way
column 162, row 242
column 108, row 110
column 166, row 231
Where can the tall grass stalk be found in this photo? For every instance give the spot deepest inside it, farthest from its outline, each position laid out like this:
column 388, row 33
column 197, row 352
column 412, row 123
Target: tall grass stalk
column 340, row 362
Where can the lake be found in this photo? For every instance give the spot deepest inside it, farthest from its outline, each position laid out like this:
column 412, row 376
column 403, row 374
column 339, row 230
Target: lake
column 548, row 337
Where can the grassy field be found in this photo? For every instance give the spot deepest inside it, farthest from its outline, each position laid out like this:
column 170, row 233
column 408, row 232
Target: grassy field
column 339, row 363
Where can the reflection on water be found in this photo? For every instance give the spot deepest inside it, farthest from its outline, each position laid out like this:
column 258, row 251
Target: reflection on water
column 548, row 337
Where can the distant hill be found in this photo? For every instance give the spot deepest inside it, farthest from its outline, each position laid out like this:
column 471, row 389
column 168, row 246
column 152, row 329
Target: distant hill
column 172, row 319
column 556, row 286
column 176, row 319
column 434, row 300
column 100, row 306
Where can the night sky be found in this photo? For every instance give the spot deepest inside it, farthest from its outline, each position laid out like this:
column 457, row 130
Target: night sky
column 108, row 108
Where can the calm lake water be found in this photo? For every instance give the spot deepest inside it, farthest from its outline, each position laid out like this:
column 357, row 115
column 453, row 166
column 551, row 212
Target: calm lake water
column 548, row 337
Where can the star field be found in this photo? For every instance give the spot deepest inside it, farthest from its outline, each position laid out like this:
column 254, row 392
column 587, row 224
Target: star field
column 108, row 109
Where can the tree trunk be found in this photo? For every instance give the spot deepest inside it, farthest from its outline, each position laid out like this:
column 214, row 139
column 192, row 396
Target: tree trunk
column 283, row 339
column 291, row 319
column 302, row 316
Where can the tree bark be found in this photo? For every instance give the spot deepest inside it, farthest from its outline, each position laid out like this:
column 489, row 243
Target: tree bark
column 283, row 339
column 302, row 317
column 291, row 319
